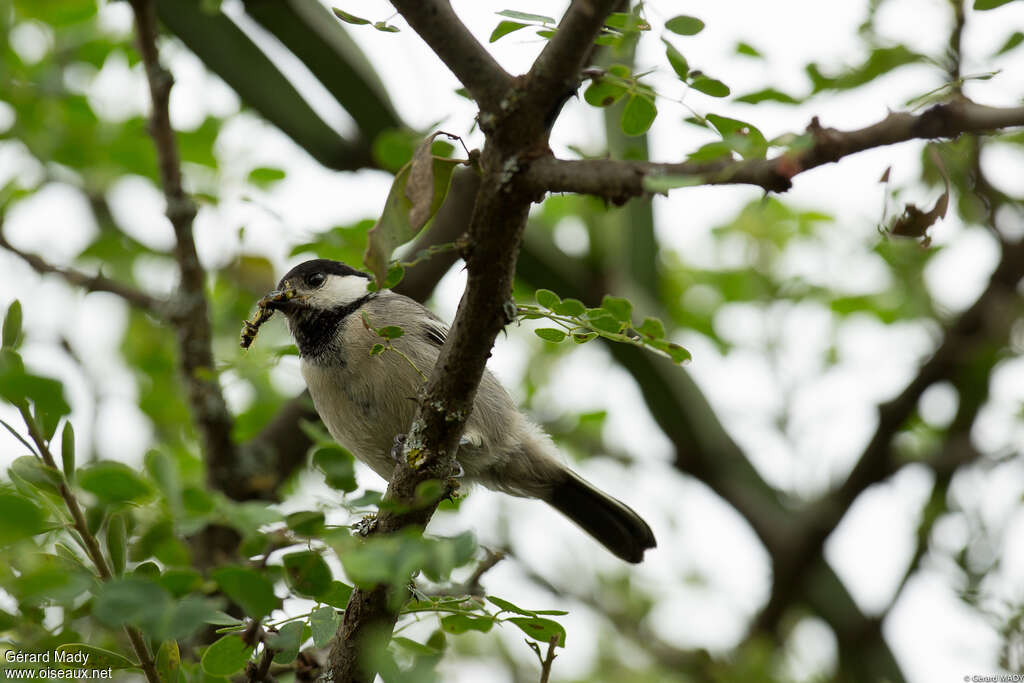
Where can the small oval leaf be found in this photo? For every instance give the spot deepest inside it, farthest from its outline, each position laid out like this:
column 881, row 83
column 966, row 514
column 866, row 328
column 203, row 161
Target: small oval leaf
column 226, row 656
column 550, row 334
column 685, row 25
column 638, row 115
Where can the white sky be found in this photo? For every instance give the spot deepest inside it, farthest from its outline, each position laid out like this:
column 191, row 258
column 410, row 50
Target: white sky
column 831, row 411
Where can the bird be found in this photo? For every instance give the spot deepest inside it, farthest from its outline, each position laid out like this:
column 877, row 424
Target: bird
column 367, row 400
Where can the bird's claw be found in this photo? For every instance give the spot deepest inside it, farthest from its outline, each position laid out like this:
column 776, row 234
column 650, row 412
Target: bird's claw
column 365, row 526
column 398, row 448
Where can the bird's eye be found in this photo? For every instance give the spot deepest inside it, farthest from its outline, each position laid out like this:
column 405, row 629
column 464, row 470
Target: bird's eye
column 315, row 279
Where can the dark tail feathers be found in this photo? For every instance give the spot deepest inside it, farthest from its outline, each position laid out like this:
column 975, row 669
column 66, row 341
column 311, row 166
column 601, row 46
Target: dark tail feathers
column 609, row 521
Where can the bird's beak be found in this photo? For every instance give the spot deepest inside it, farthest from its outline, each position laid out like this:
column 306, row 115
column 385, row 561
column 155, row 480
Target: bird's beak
column 284, row 298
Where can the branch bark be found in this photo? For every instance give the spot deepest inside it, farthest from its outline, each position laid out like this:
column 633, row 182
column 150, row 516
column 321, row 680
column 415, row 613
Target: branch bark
column 92, row 283
column 495, row 231
column 619, row 181
column 440, row 28
column 190, row 312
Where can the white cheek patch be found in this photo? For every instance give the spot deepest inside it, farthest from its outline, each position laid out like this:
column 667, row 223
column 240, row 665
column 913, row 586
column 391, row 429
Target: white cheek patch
column 339, row 290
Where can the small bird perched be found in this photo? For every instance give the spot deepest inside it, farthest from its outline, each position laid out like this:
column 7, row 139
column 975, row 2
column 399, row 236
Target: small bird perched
column 367, row 400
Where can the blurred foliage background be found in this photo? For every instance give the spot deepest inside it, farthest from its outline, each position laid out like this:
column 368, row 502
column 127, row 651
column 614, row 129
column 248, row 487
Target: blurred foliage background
column 854, row 401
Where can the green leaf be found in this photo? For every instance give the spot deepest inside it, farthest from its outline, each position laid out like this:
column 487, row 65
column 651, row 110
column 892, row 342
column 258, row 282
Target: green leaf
column 540, row 629
column 606, row 323
column 264, row 176
column 685, row 25
column 116, row 543
column 384, row 27
column 677, row 60
column 603, row 92
column 306, row 522
column 573, row 307
column 710, row 86
column 36, row 473
column 338, row 466
column 19, row 519
column 307, row 573
column 394, row 275
column 227, row 656
column 250, row 589
column 324, row 622
column 525, row 16
column 12, row 325
column 98, row 658
column 180, row 582
column 989, row 4
column 748, row 50
column 550, row 334
column 620, row 308
column 133, row 601
column 67, row 451
column 547, row 298
column 414, row 648
column 390, row 332
column 583, row 337
column 638, row 115
column 18, row 387
column 626, row 22
column 377, row 349
column 349, row 18
column 767, row 95
column 504, row 28
column 1015, row 39
column 187, row 617
column 507, row 606
column 416, row 194
column 287, row 642
column 114, row 482
column 218, row 618
column 460, row 623
column 168, row 661
column 337, row 595
column 652, row 327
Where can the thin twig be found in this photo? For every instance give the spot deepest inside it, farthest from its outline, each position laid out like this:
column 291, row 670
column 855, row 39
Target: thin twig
column 92, row 546
column 92, row 283
column 545, row 665
column 448, row 37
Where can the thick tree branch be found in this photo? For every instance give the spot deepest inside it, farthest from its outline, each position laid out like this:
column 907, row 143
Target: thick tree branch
column 190, row 314
column 555, row 75
column 92, row 283
column 440, row 28
column 618, row 181
column 495, row 231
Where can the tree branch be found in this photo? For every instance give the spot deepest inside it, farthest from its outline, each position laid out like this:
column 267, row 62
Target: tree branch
column 190, row 314
column 92, row 283
column 618, row 181
column 441, row 29
column 555, row 75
